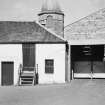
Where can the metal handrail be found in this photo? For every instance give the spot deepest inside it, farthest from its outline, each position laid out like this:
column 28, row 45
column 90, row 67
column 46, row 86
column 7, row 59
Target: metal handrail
column 34, row 78
column 21, row 71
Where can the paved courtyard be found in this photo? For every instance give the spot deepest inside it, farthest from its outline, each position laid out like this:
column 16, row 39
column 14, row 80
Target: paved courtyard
column 78, row 92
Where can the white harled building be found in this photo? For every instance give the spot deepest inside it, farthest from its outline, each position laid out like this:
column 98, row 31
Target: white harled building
column 34, row 52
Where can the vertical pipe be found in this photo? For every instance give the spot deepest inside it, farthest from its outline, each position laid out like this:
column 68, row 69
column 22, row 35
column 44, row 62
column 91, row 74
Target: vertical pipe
column 92, row 67
column 66, row 62
column 69, row 64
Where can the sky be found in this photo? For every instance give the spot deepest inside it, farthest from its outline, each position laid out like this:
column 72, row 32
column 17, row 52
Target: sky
column 27, row 10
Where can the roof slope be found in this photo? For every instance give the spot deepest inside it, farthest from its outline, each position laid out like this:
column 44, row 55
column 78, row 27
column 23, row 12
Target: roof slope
column 91, row 27
column 11, row 31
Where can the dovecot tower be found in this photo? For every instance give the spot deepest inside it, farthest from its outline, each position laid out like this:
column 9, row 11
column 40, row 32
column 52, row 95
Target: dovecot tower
column 52, row 17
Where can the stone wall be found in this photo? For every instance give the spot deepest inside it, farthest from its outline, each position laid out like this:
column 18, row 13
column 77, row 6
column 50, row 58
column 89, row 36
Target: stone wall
column 90, row 27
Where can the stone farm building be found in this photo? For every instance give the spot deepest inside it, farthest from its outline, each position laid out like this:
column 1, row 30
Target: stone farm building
column 47, row 52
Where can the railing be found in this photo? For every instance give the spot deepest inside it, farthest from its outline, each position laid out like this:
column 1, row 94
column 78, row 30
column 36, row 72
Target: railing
column 34, row 77
column 37, row 74
column 33, row 70
column 19, row 73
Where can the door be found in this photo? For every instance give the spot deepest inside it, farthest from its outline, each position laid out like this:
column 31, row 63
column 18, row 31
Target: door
column 28, row 57
column 7, row 73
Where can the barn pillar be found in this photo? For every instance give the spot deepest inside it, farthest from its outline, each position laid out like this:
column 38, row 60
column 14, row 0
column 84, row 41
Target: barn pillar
column 68, row 63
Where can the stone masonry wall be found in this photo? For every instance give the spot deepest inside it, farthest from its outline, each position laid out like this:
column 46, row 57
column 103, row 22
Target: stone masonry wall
column 90, row 27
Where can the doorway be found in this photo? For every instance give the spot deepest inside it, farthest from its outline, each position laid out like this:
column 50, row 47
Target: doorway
column 7, row 75
column 87, row 61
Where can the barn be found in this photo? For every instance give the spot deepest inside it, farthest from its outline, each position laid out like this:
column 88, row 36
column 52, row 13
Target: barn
column 86, row 38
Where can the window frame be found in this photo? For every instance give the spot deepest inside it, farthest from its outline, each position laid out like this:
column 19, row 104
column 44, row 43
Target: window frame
column 49, row 68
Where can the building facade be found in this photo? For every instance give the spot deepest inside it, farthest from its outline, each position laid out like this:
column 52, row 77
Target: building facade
column 34, row 52
column 30, row 54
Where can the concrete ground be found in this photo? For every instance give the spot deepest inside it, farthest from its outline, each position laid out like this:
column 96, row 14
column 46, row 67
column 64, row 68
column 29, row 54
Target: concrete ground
column 78, row 92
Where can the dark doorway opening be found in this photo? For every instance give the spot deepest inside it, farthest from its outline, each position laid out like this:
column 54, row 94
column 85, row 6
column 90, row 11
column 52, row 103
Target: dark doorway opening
column 87, row 53
column 87, row 59
column 7, row 69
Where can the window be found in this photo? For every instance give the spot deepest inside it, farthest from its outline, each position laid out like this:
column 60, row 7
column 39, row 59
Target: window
column 49, row 21
column 43, row 22
column 49, row 66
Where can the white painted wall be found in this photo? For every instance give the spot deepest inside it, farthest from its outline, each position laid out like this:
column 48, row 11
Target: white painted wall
column 51, row 51
column 11, row 52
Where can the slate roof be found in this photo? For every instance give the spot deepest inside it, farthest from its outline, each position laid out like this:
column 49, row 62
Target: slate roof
column 90, row 28
column 21, row 32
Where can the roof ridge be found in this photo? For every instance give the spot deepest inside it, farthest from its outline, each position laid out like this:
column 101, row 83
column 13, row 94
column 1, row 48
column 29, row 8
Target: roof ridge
column 50, row 31
column 17, row 21
column 84, row 17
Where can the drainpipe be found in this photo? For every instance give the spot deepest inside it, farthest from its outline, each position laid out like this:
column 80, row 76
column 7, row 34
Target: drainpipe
column 69, row 64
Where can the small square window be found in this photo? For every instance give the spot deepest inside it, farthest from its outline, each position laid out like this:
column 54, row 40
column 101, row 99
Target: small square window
column 49, row 66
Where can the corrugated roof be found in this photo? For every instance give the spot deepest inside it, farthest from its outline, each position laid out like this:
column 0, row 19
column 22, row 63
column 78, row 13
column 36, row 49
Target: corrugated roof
column 90, row 28
column 11, row 31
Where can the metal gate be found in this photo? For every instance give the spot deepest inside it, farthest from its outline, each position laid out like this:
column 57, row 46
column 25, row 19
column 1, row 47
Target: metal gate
column 87, row 69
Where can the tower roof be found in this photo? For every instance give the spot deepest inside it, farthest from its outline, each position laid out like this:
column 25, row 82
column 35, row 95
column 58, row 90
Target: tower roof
column 50, row 6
